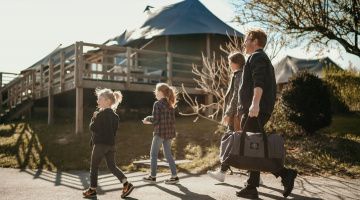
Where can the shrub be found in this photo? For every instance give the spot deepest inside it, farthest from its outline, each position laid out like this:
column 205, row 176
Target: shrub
column 279, row 123
column 306, row 100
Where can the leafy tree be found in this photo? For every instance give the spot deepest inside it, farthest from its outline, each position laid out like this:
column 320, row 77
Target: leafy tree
column 319, row 21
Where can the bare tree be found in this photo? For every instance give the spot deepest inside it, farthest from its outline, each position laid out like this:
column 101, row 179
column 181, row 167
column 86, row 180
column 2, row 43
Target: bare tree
column 316, row 21
column 213, row 79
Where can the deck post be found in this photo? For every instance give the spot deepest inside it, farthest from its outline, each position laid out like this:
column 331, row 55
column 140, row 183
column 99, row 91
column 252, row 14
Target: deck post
column 79, row 110
column 79, row 113
column 62, row 71
column 21, row 83
column 128, row 66
column 169, row 68
column 33, row 86
column 26, row 88
column 50, row 94
column 10, row 97
column 209, row 98
column 41, row 81
column 167, row 43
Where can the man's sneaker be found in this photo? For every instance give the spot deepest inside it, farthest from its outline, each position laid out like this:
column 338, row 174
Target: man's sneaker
column 248, row 193
column 127, row 189
column 149, row 179
column 172, row 180
column 218, row 175
column 288, row 182
column 89, row 193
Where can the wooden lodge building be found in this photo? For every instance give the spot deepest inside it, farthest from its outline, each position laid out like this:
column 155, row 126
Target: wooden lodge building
column 163, row 49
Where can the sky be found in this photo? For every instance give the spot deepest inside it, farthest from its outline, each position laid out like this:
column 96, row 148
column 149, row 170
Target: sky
column 32, row 29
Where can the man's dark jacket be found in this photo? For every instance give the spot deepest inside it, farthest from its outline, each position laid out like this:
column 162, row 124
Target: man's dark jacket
column 258, row 72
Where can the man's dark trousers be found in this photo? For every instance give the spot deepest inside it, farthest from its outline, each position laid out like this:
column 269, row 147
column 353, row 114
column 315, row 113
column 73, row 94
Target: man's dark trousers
column 253, row 126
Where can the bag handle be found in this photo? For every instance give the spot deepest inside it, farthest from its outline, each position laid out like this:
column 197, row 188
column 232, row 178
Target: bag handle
column 243, row 135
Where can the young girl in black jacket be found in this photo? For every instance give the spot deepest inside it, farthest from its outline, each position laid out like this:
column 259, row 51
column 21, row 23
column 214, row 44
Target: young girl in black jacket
column 103, row 126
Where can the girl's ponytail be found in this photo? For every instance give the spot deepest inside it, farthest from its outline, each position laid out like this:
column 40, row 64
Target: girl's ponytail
column 115, row 97
column 118, row 99
column 172, row 97
column 169, row 92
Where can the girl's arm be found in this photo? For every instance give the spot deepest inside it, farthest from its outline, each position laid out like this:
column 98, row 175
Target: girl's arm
column 155, row 117
column 96, row 122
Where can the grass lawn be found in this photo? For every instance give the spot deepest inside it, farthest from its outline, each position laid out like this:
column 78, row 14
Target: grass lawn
column 35, row 145
column 335, row 150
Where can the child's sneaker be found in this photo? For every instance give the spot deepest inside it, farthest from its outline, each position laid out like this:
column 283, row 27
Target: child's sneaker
column 217, row 175
column 172, row 180
column 149, row 179
column 89, row 193
column 127, row 189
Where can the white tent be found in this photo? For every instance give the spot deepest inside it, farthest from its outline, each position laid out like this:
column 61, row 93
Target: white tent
column 289, row 66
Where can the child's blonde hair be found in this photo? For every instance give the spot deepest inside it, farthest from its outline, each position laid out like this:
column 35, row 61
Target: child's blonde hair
column 169, row 92
column 114, row 96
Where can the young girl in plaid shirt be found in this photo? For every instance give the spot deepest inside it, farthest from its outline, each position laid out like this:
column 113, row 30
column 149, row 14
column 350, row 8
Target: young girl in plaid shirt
column 163, row 119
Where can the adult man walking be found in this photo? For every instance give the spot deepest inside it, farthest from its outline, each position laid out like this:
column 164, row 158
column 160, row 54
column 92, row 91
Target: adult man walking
column 257, row 95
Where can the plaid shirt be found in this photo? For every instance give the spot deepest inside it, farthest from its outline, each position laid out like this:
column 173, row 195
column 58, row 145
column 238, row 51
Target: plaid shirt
column 163, row 119
column 232, row 94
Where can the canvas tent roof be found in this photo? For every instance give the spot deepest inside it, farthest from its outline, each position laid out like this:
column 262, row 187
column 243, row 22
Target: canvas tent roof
column 289, row 66
column 185, row 17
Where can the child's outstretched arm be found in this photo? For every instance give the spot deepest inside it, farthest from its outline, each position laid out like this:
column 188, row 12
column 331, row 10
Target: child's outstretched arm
column 155, row 117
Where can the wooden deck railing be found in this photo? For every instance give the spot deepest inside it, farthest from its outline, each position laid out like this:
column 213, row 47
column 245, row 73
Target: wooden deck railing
column 86, row 65
column 125, row 64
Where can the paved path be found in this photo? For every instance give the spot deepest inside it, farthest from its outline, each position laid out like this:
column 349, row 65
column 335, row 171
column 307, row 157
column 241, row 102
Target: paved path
column 41, row 185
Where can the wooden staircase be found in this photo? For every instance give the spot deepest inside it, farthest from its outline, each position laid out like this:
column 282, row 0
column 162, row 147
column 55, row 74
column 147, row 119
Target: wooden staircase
column 17, row 112
column 16, row 97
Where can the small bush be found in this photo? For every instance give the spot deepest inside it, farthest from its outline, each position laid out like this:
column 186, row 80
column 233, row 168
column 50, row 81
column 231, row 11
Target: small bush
column 279, row 123
column 306, row 100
